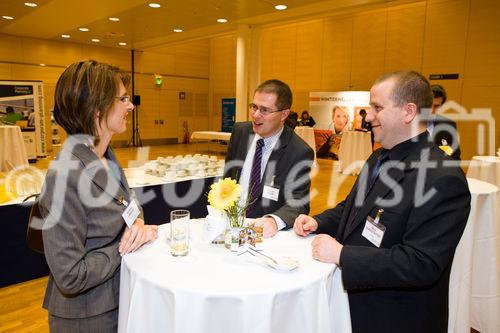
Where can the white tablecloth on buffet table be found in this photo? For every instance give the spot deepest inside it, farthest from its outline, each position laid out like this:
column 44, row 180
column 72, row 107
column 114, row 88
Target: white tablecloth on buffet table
column 485, row 168
column 307, row 134
column 209, row 135
column 12, row 149
column 214, row 290
column 475, row 274
column 355, row 148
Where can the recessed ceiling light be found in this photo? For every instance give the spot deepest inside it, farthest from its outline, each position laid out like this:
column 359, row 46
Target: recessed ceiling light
column 7, row 17
column 30, row 4
column 222, row 20
column 65, row 36
column 154, row 5
column 43, row 65
column 114, row 19
column 177, row 30
column 122, row 44
column 83, row 29
column 280, row 7
column 95, row 40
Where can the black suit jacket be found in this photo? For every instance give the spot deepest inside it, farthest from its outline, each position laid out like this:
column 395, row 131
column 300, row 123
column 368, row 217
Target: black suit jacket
column 446, row 129
column 289, row 166
column 403, row 285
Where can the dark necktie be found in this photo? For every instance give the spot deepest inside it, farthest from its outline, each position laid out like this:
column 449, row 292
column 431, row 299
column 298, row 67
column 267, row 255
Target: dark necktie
column 384, row 156
column 254, row 184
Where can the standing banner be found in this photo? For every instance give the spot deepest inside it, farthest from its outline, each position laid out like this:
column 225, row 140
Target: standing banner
column 25, row 98
column 321, row 105
column 228, row 114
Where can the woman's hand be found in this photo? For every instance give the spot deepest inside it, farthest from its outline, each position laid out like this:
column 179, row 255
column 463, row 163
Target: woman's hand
column 137, row 235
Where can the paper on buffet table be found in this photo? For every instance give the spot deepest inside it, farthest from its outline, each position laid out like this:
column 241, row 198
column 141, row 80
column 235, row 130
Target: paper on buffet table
column 215, row 225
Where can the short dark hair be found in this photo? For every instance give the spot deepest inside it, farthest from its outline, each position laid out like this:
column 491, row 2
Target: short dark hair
column 409, row 87
column 9, row 109
column 438, row 91
column 281, row 89
column 362, row 112
column 84, row 90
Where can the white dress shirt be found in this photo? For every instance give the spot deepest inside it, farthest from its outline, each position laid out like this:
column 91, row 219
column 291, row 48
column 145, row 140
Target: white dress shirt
column 269, row 144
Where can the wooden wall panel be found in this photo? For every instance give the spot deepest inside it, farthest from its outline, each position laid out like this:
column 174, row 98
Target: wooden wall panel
column 50, row 52
column 154, row 62
column 224, row 65
column 283, row 52
column 309, row 54
column 445, row 37
column 113, row 56
column 11, row 48
column 405, row 37
column 5, row 71
column 369, row 48
column 337, row 53
column 482, row 61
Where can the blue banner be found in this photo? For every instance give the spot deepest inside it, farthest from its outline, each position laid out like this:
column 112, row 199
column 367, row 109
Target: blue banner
column 228, row 114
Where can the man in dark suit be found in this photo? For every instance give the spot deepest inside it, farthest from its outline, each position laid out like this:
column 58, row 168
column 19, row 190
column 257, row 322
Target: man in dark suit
column 270, row 161
column 442, row 129
column 395, row 234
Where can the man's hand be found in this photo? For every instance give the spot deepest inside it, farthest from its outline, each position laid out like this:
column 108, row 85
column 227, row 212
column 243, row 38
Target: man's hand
column 268, row 224
column 326, row 249
column 137, row 235
column 304, row 225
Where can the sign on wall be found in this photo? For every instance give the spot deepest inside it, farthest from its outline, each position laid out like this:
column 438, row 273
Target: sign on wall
column 25, row 98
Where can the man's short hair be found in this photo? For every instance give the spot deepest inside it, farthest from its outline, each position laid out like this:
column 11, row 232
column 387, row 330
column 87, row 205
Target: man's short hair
column 409, row 87
column 438, row 91
column 280, row 89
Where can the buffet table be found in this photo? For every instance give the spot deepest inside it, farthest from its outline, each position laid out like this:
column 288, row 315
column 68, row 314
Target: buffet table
column 355, row 148
column 12, row 149
column 215, row 290
column 475, row 274
column 157, row 200
column 307, row 134
column 209, row 135
column 485, row 168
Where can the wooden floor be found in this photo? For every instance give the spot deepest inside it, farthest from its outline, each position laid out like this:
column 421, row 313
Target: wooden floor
column 21, row 304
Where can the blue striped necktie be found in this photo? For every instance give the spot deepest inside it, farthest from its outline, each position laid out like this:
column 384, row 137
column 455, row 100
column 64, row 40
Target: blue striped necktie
column 254, row 184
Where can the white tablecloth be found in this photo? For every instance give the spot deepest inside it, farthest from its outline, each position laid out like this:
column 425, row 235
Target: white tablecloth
column 307, row 134
column 214, row 290
column 209, row 135
column 475, row 274
column 355, row 148
column 12, row 149
column 485, row 168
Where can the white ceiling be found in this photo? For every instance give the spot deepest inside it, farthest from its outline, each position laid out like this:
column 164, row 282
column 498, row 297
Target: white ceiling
column 141, row 26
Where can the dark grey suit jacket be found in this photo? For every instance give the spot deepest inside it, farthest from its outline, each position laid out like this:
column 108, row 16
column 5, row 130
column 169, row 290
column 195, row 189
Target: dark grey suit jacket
column 82, row 205
column 403, row 285
column 289, row 166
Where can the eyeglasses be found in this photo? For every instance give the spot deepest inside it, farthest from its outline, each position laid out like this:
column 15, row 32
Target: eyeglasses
column 263, row 110
column 124, row 99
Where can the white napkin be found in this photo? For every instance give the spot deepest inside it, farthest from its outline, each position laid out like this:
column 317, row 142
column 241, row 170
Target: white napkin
column 216, row 222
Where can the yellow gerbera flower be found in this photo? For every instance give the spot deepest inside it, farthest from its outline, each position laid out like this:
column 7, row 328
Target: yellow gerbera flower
column 225, row 193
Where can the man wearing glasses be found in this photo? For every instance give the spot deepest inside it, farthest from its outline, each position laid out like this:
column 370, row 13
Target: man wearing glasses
column 270, row 162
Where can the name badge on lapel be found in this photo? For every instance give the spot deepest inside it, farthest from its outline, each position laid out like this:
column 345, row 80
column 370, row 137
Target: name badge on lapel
column 270, row 192
column 131, row 213
column 374, row 230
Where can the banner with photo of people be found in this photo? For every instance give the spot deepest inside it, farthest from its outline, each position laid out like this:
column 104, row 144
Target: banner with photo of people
column 21, row 104
column 334, row 113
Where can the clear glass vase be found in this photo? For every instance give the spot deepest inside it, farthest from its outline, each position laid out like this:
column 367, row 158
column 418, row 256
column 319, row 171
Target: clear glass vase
column 235, row 237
